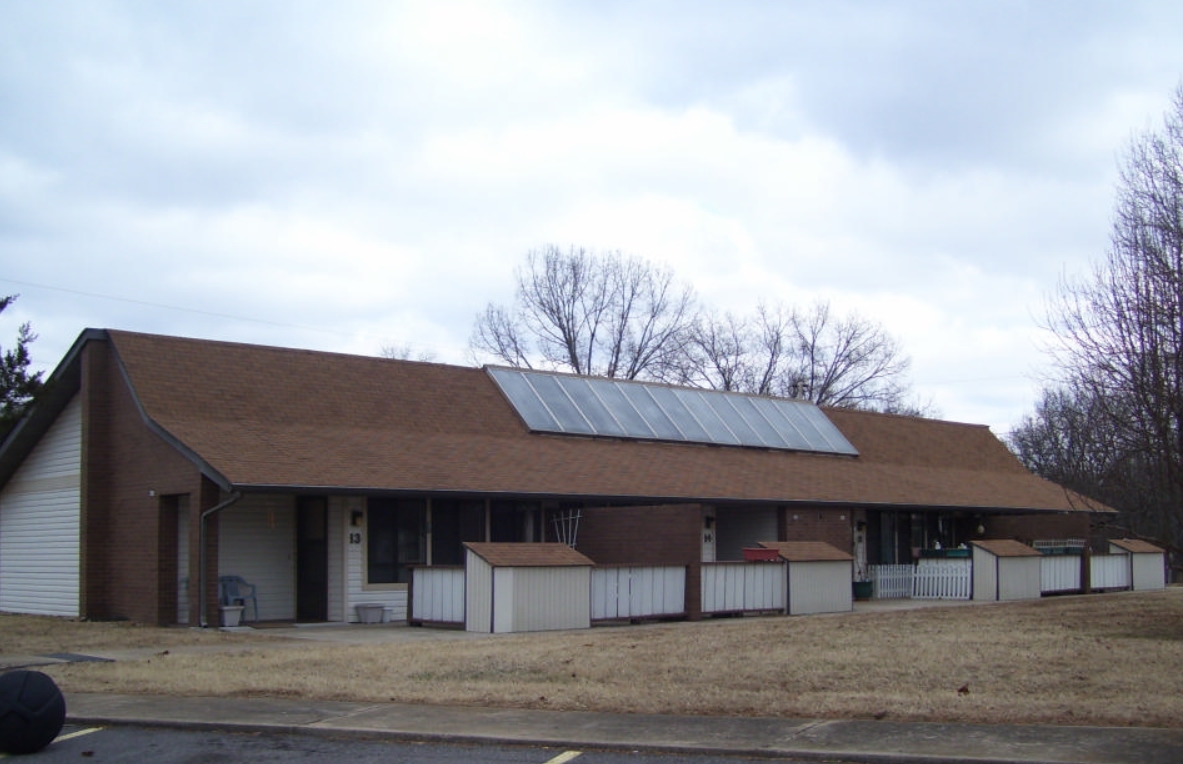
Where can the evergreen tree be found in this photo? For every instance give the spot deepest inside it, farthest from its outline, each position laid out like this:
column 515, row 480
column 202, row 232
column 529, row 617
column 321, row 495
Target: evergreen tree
column 17, row 386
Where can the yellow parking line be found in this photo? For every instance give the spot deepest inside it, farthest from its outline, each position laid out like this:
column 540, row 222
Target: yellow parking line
column 76, row 733
column 562, row 758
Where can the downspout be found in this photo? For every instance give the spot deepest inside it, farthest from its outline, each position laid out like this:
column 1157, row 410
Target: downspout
column 231, row 499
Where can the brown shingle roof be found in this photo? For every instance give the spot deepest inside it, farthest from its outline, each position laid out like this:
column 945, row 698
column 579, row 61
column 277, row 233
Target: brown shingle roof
column 534, row 555
column 807, row 551
column 262, row 416
column 1006, row 548
column 1136, row 546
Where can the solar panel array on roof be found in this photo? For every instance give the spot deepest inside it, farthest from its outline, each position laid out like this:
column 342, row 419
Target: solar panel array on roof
column 562, row 403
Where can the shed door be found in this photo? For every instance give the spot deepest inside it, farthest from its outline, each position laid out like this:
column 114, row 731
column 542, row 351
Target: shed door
column 312, row 559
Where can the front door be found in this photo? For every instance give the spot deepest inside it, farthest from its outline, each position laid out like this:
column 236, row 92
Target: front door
column 312, row 559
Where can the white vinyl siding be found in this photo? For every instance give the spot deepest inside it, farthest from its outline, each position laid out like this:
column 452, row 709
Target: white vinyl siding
column 1059, row 573
column 1018, row 578
column 636, row 591
column 1109, row 571
column 1005, row 579
column 820, row 586
column 338, row 517
column 437, row 595
column 542, row 598
column 40, row 511
column 393, row 597
column 257, row 540
column 512, row 599
column 1148, row 572
column 478, row 594
column 737, row 587
column 985, row 575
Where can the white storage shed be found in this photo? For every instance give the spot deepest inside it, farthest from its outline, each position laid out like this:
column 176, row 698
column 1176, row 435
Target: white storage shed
column 1005, row 569
column 820, row 576
column 1148, row 570
column 526, row 587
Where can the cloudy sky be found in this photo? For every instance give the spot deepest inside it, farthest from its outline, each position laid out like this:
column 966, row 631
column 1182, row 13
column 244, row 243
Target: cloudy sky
column 353, row 175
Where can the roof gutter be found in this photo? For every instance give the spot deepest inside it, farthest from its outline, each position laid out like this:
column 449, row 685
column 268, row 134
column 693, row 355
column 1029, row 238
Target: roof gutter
column 226, row 503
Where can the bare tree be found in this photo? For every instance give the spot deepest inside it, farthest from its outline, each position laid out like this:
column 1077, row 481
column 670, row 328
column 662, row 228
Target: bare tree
column 649, row 320
column 596, row 314
column 717, row 354
column 497, row 333
column 406, row 352
column 615, row 316
column 844, row 361
column 1120, row 331
column 773, row 333
column 1072, row 439
column 810, row 354
column 1067, row 441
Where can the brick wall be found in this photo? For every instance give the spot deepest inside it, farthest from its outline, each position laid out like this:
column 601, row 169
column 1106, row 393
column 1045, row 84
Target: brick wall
column 656, row 535
column 129, row 565
column 833, row 526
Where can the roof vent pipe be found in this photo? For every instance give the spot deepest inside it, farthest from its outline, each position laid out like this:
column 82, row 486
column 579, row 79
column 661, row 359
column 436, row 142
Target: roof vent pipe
column 233, row 497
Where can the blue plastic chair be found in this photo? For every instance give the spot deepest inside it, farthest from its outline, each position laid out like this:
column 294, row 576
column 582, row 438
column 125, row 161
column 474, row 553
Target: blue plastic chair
column 234, row 590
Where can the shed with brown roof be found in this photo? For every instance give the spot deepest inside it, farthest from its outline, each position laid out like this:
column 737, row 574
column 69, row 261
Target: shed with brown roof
column 1005, row 569
column 526, row 587
column 516, row 555
column 808, row 551
column 1148, row 570
column 1006, row 548
column 1134, row 546
column 820, row 576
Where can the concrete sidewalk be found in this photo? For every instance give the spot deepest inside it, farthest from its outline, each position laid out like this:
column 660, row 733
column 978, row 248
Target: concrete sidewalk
column 830, row 740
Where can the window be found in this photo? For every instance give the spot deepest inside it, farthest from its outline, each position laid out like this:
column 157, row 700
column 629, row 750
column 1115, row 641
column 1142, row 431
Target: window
column 453, row 523
column 515, row 521
column 395, row 538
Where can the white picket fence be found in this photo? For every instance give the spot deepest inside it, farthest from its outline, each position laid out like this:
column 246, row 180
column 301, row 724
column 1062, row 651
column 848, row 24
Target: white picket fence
column 740, row 587
column 930, row 579
column 950, row 579
column 891, row 582
column 626, row 591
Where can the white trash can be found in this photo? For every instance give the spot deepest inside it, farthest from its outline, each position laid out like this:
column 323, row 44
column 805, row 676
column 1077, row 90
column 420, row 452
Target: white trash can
column 232, row 615
column 370, row 613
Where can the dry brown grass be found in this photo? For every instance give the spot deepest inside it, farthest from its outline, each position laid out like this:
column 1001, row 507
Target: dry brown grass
column 1103, row 659
column 38, row 635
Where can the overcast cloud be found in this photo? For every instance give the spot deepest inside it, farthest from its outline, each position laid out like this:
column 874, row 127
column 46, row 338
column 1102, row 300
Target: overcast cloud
column 353, row 175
